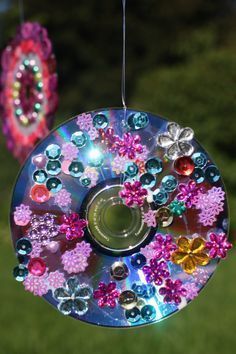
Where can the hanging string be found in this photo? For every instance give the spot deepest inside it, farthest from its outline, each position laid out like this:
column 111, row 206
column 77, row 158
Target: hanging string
column 123, row 78
column 21, row 10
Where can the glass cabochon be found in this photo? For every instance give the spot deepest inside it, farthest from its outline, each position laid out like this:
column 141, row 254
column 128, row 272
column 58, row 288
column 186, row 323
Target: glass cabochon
column 118, row 218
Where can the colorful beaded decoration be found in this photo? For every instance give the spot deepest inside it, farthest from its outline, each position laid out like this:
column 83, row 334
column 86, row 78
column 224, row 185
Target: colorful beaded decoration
column 119, row 218
column 28, row 91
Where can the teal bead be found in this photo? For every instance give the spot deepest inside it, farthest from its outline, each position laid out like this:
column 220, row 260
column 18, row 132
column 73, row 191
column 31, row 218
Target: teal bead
column 198, row 175
column 177, row 207
column 53, row 152
column 18, row 112
column 53, row 167
column 169, row 183
column 54, row 185
column 199, row 159
column 148, row 180
column 85, row 181
column 26, row 62
column 154, row 166
column 133, row 315
column 76, row 169
column 160, row 196
column 100, row 121
column 20, row 272
column 212, row 174
column 37, row 107
column 79, row 139
column 131, row 169
column 40, row 176
column 148, row 313
column 35, row 69
column 23, row 246
column 138, row 121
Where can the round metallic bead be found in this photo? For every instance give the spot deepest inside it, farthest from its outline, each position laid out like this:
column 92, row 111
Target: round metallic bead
column 148, row 180
column 138, row 260
column 199, row 159
column 76, row 169
column 169, row 183
column 53, row 152
column 128, row 299
column 154, row 166
column 137, row 121
column 133, row 315
column 198, row 175
column 20, row 272
column 131, row 169
column 53, row 167
column 79, row 139
column 212, row 174
column 148, row 313
column 160, row 196
column 184, row 165
column 100, row 121
column 23, row 246
column 119, row 271
column 40, row 176
column 164, row 217
column 54, row 185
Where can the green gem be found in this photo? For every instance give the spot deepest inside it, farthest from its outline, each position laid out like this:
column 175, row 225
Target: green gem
column 100, row 121
column 53, row 151
column 37, row 107
column 53, row 167
column 39, row 176
column 39, row 86
column 18, row 111
column 131, row 169
column 76, row 168
column 26, row 62
column 177, row 207
column 54, row 185
column 79, row 139
column 35, row 69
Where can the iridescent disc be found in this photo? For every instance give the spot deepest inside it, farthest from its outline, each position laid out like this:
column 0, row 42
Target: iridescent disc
column 111, row 224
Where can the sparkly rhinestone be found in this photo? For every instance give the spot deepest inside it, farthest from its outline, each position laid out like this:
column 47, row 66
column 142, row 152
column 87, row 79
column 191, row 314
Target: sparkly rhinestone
column 53, row 152
column 131, row 169
column 85, row 181
column 119, row 271
column 39, row 193
column 20, row 272
column 133, row 315
column 79, row 139
column 138, row 260
column 154, row 166
column 148, row 313
column 128, row 299
column 54, row 184
column 199, row 159
column 148, row 180
column 160, row 196
column 53, row 167
column 39, row 176
column 184, row 166
column 198, row 175
column 37, row 266
column 76, row 168
column 39, row 161
column 23, row 246
column 212, row 174
column 164, row 217
column 138, row 120
column 100, row 121
column 169, row 183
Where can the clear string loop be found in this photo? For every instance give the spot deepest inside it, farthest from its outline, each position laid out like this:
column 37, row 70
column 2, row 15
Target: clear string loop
column 123, row 78
column 21, row 11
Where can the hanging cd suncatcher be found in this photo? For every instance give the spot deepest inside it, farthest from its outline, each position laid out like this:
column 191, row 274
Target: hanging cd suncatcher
column 119, row 218
column 28, row 92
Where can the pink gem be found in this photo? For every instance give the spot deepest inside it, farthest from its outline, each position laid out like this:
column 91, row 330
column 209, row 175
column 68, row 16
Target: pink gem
column 37, row 266
column 53, row 246
column 65, row 166
column 39, row 161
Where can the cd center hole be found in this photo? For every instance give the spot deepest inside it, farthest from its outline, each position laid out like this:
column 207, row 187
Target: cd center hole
column 118, row 217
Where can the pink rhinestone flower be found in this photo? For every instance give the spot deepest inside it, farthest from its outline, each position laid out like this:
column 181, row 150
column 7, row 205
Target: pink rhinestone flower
column 133, row 193
column 69, row 151
column 188, row 193
column 36, row 285
column 56, row 279
column 218, row 245
column 149, row 218
column 119, row 164
column 163, row 246
column 106, row 295
column 74, row 261
column 144, row 154
column 72, row 226
column 22, row 215
column 128, row 146
column 201, row 275
column 172, row 291
column 63, row 198
column 37, row 249
column 93, row 133
column 156, row 271
column 84, row 248
column 148, row 252
column 85, row 121
column 191, row 290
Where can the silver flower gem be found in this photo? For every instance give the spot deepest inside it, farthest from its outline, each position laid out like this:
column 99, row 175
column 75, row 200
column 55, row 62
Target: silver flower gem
column 176, row 141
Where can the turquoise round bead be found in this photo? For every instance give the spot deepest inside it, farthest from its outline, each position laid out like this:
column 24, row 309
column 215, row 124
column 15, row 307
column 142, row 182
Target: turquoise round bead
column 54, row 185
column 198, row 175
column 138, row 121
column 199, row 159
column 23, row 246
column 20, row 272
column 79, row 139
column 148, row 180
column 131, row 169
column 85, row 181
column 148, row 313
column 100, row 121
column 53, row 167
column 154, row 166
column 169, row 183
column 212, row 174
column 160, row 196
column 40, row 176
column 76, row 169
column 53, row 151
column 133, row 315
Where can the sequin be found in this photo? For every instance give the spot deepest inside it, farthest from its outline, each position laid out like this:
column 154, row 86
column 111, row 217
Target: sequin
column 131, row 169
column 53, row 167
column 184, row 165
column 20, row 272
column 154, row 166
column 160, row 196
column 138, row 260
column 39, row 176
column 100, row 121
column 164, row 217
column 85, row 181
column 76, row 169
column 37, row 266
column 199, row 159
column 138, row 120
column 54, row 184
column 198, row 175
column 119, row 271
column 148, row 313
column 128, row 299
column 169, row 183
column 53, row 152
column 212, row 174
column 133, row 315
column 23, row 246
column 79, row 139
column 39, row 193
column 148, row 180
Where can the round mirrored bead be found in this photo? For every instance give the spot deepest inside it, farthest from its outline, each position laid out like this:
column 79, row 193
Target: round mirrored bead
column 212, row 174
column 39, row 193
column 148, row 180
column 164, row 217
column 160, row 196
column 154, row 166
column 54, row 185
column 169, row 183
column 20, row 272
column 148, row 313
column 53, row 167
column 137, row 121
column 23, row 246
column 37, row 266
column 79, row 139
column 198, row 175
column 53, row 152
column 184, row 166
column 138, row 260
column 199, row 159
column 128, row 299
column 76, row 169
column 133, row 315
column 119, row 271
column 100, row 121
column 40, row 176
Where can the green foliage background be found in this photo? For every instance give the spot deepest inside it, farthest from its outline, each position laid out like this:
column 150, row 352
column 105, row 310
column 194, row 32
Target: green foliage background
column 181, row 63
